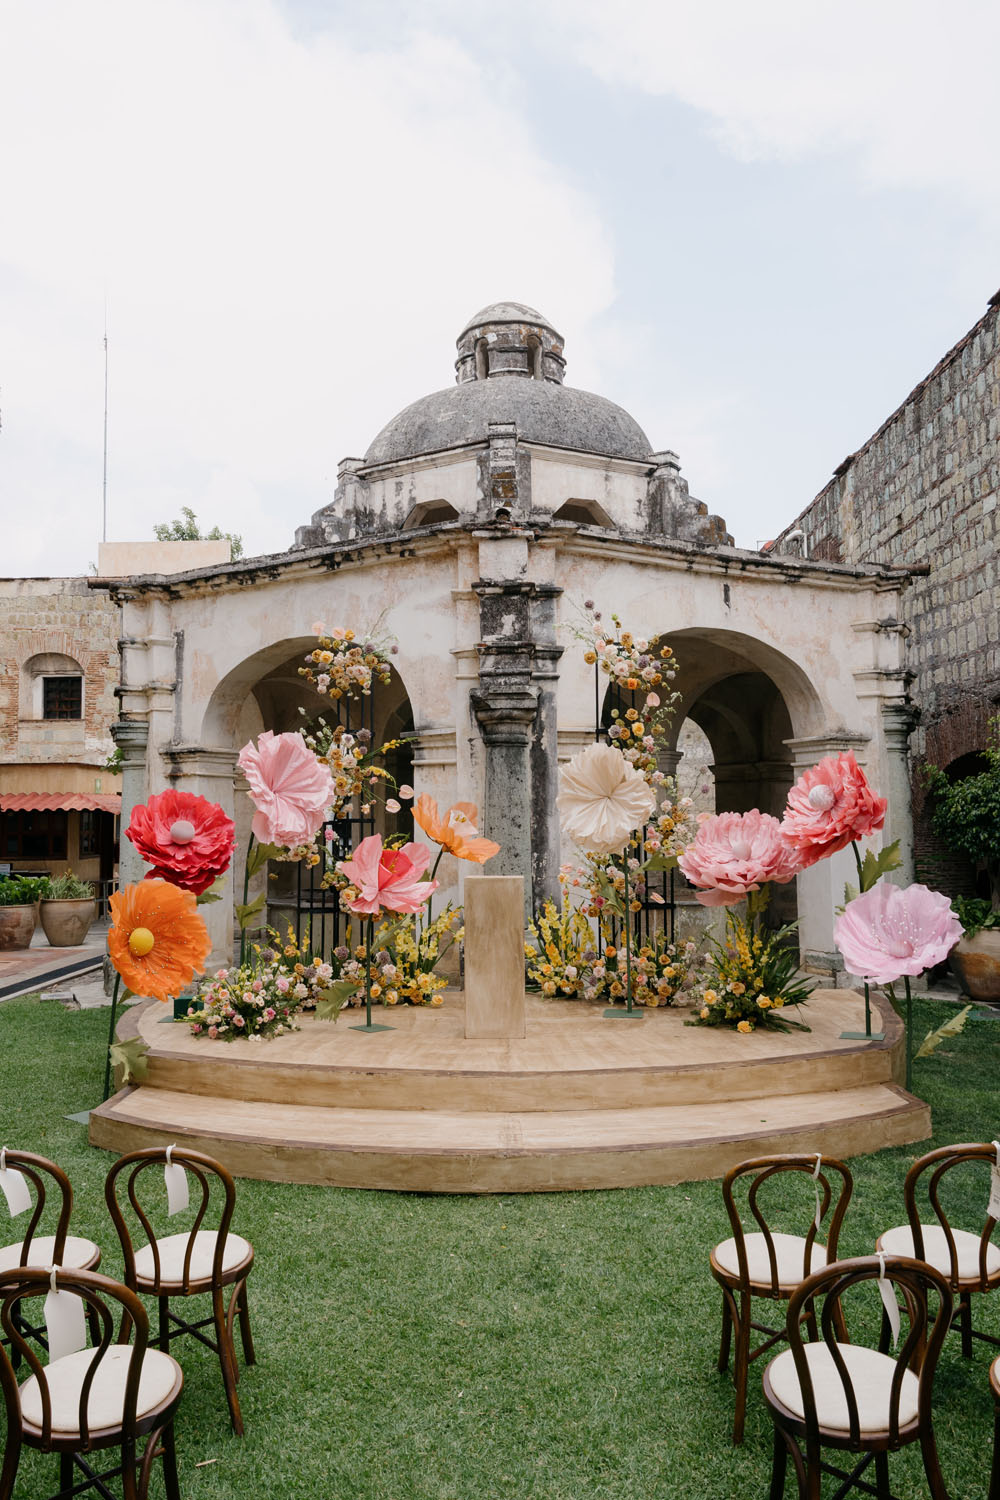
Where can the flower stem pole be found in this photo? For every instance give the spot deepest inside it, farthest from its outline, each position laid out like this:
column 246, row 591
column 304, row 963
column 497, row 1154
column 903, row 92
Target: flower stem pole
column 867, row 1035
column 246, row 894
column 909, row 1033
column 628, row 945
column 111, row 1037
column 368, row 972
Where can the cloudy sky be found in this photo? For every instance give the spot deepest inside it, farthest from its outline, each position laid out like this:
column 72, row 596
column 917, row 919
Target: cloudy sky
column 757, row 227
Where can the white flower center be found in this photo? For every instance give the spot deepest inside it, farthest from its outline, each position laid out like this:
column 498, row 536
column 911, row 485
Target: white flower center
column 822, row 798
column 183, row 831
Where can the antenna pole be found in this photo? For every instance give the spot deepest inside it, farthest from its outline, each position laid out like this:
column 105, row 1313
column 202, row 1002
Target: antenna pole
column 104, row 487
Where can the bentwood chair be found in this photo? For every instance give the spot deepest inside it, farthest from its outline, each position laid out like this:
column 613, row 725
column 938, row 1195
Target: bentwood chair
column 36, row 1182
column 107, row 1396
column 766, row 1264
column 994, row 1493
column 828, row 1393
column 194, row 1262
column 970, row 1261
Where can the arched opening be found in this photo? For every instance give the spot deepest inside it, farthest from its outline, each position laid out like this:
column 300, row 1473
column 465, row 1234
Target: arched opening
column 583, row 513
column 267, row 692
column 430, row 513
column 534, row 344
column 51, row 687
column 482, row 360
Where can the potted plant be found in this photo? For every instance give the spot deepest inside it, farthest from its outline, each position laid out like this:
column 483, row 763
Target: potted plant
column 19, row 895
column 68, row 907
column 966, row 815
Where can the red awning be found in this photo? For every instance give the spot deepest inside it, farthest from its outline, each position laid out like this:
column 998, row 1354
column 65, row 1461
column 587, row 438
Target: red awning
column 61, row 802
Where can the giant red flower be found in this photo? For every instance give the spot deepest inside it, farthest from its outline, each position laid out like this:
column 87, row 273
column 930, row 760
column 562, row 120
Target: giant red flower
column 289, row 787
column 389, row 878
column 734, row 853
column 187, row 839
column 831, row 806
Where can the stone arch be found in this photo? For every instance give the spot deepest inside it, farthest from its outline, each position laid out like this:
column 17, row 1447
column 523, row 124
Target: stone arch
column 35, row 669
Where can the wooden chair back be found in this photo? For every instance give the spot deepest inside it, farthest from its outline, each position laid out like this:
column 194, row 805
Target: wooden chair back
column 835, row 1185
column 919, row 1352
column 44, row 1178
column 96, row 1292
column 133, row 1176
column 925, row 1178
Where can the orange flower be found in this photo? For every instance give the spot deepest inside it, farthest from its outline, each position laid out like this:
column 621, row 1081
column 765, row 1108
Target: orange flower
column 157, row 940
column 456, row 831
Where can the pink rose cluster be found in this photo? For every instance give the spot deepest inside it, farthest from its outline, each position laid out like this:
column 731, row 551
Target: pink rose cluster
column 829, row 807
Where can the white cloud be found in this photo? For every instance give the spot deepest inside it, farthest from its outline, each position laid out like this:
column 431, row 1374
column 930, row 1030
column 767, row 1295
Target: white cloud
column 907, row 85
column 289, row 233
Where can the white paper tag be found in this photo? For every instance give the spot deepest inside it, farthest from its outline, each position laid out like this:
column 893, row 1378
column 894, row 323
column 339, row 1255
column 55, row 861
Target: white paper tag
column 819, row 1212
column 889, row 1302
column 993, row 1207
column 14, row 1186
column 65, row 1322
column 175, row 1178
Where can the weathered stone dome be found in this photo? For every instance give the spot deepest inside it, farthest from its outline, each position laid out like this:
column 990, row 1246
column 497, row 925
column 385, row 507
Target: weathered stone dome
column 510, row 369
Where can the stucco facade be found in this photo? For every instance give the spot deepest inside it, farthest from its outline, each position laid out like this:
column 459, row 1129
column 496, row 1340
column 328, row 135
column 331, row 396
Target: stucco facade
column 477, row 557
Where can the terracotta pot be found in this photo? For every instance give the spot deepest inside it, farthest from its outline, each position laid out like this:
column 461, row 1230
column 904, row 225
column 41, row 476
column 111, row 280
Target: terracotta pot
column 976, row 962
column 17, row 924
column 66, row 923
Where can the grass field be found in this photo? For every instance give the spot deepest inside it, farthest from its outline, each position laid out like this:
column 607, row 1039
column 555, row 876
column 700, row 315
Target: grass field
column 536, row 1347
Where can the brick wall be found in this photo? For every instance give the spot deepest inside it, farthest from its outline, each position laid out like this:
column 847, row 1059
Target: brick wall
column 923, row 492
column 64, row 616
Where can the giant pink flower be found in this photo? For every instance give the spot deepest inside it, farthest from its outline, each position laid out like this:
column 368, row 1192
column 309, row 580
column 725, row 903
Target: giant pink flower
column 734, row 853
column 389, row 878
column 289, row 787
column 187, row 839
column 831, row 806
column 886, row 933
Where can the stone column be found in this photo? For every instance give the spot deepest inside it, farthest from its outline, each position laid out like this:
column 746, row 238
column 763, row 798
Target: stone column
column 131, row 737
column 506, row 708
column 211, row 772
column 544, row 746
column 898, row 720
column 821, row 887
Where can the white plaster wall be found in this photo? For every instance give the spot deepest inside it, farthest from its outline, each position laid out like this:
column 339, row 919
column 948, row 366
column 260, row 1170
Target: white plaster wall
column 620, row 487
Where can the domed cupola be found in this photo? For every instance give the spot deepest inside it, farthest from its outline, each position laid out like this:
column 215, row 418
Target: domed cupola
column 508, row 338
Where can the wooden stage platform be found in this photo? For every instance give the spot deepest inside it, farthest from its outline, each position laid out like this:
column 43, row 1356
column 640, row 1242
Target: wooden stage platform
column 581, row 1102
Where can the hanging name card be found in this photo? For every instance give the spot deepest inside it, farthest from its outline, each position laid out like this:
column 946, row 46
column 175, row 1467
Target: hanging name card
column 65, row 1323
column 889, row 1302
column 14, row 1187
column 993, row 1207
column 178, row 1193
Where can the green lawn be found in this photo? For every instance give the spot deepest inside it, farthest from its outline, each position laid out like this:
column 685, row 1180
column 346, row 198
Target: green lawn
column 537, row 1347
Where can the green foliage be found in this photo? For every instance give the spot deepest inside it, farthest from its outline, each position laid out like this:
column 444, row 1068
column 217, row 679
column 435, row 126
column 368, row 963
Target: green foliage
column 245, row 913
column 67, row 887
column 21, row 890
column 966, row 814
column 975, row 913
column 951, row 1028
column 188, row 530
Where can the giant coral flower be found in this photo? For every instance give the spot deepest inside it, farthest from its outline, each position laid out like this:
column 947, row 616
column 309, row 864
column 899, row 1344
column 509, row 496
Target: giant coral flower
column 887, row 932
column 831, row 806
column 289, row 787
column 603, row 799
column 187, row 839
column 389, row 878
column 157, row 940
column 734, row 853
column 456, row 831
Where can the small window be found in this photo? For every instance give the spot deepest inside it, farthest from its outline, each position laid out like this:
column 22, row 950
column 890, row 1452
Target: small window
column 62, row 697
column 33, row 835
column 88, row 834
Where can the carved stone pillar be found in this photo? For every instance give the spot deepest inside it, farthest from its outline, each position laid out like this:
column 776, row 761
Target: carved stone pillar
column 211, row 773
column 131, row 737
column 544, row 746
column 898, row 720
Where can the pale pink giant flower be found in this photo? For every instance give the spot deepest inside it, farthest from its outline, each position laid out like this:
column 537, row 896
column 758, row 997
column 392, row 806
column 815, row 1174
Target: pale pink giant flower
column 388, row 878
column 831, row 806
column 289, row 787
column 734, row 853
column 887, row 932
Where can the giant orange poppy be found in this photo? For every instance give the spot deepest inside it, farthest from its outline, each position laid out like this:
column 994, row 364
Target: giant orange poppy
column 456, row 831
column 157, row 940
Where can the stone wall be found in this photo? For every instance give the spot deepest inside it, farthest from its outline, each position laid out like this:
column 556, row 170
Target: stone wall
column 923, row 493
column 61, row 617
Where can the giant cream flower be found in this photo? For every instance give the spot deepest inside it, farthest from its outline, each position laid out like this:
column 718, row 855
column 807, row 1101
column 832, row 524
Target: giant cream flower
column 603, row 799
